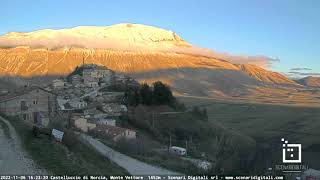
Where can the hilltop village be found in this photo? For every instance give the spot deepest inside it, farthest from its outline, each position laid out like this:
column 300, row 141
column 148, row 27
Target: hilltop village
column 94, row 101
column 85, row 100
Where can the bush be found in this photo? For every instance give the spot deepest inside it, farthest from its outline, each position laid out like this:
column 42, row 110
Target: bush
column 134, row 147
column 200, row 114
column 5, row 128
column 69, row 139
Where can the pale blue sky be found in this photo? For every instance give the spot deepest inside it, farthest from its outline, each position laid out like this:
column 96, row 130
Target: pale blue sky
column 284, row 29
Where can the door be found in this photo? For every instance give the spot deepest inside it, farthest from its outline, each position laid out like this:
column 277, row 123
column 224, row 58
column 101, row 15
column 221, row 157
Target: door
column 36, row 117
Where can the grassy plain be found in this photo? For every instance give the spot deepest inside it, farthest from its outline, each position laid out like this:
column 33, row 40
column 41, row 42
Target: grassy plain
column 267, row 124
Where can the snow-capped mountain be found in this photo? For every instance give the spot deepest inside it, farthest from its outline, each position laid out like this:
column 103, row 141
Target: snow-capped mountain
column 120, row 36
column 145, row 52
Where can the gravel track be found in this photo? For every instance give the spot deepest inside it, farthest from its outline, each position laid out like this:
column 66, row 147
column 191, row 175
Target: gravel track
column 13, row 159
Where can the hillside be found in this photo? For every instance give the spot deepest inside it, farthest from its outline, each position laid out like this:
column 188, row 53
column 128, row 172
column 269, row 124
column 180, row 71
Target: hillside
column 310, row 81
column 264, row 75
column 145, row 52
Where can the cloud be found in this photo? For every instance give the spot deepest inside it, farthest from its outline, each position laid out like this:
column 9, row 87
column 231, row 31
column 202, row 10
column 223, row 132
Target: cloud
column 301, row 69
column 303, row 73
column 262, row 61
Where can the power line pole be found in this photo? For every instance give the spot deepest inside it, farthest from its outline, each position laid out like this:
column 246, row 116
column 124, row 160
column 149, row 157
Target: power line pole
column 186, row 147
column 152, row 119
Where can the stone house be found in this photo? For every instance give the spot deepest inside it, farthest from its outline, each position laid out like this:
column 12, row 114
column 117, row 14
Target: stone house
column 120, row 77
column 88, row 79
column 76, row 79
column 93, row 84
column 93, row 75
column 99, row 117
column 107, row 121
column 77, row 103
column 58, row 84
column 95, row 113
column 114, row 133
column 33, row 104
column 111, row 97
column 83, row 124
column 101, row 72
column 114, row 109
column 64, row 105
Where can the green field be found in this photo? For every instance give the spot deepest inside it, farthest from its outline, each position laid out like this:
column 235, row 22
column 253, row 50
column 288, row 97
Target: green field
column 267, row 124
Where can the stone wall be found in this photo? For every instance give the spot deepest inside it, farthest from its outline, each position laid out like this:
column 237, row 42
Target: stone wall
column 34, row 106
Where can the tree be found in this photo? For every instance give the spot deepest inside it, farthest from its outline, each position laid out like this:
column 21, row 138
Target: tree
column 137, row 97
column 162, row 94
column 196, row 111
column 146, row 94
column 132, row 97
column 200, row 113
column 205, row 114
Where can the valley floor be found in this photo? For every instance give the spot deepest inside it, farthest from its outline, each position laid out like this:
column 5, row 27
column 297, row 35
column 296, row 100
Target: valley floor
column 267, row 124
column 302, row 100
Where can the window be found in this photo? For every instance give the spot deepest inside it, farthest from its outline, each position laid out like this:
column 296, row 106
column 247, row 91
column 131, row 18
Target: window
column 35, row 101
column 23, row 105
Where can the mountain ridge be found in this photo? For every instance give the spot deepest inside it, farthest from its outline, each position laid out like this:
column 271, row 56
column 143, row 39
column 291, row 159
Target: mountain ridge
column 310, row 81
column 114, row 36
column 154, row 53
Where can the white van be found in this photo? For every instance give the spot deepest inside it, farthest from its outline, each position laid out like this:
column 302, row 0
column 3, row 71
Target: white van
column 177, row 150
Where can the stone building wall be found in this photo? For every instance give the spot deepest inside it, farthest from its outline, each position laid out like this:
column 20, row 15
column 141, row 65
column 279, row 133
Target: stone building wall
column 34, row 106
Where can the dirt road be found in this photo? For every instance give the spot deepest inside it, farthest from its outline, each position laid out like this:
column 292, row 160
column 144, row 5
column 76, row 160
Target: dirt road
column 13, row 159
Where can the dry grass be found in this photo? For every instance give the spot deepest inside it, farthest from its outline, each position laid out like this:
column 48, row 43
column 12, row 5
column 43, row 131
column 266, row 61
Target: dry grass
column 60, row 159
column 267, row 123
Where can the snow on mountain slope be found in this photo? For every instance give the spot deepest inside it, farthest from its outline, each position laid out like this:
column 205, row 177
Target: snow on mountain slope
column 125, row 37
column 120, row 36
column 138, row 50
